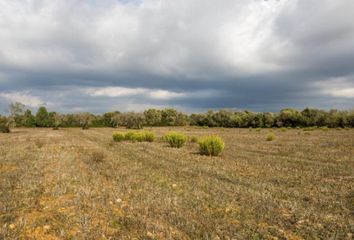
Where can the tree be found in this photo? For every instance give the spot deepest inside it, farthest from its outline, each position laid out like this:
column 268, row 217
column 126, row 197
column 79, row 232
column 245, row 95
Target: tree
column 85, row 120
column 168, row 117
column 182, row 119
column 110, row 119
column 223, row 118
column 314, row 117
column 57, row 120
column 134, row 120
column 153, row 117
column 42, row 117
column 290, row 117
column 16, row 110
column 268, row 119
column 28, row 119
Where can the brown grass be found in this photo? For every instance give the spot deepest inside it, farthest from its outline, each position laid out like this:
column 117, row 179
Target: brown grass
column 74, row 184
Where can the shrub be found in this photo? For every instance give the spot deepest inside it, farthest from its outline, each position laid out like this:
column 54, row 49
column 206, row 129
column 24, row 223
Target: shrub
column 149, row 136
column 134, row 120
column 4, row 125
column 211, row 145
column 193, row 139
column 325, row 129
column 175, row 139
column 258, row 129
column 270, row 137
column 145, row 136
column 118, row 137
column 283, row 129
column 308, row 129
column 4, row 129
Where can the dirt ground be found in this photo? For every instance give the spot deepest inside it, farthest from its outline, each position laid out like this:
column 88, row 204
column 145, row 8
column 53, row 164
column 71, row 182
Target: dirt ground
column 79, row 184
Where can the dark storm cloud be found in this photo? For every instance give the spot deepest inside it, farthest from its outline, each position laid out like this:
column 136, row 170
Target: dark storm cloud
column 106, row 55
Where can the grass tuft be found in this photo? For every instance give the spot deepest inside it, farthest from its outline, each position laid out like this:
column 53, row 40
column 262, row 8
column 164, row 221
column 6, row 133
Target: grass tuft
column 175, row 139
column 118, row 137
column 270, row 137
column 211, row 145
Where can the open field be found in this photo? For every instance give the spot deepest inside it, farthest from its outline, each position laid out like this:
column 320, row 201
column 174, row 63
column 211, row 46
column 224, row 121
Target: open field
column 75, row 184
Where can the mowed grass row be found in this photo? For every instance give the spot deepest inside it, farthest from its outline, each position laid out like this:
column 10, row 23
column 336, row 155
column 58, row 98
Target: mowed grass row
column 80, row 184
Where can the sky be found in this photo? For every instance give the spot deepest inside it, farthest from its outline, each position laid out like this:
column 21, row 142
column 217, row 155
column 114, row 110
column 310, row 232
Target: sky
column 192, row 55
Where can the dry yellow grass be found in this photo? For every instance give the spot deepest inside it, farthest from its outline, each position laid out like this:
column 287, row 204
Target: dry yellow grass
column 75, row 184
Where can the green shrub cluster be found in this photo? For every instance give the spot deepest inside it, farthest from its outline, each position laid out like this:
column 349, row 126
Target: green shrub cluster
column 175, row 139
column 4, row 125
column 118, row 137
column 211, row 145
column 325, row 129
column 193, row 139
column 308, row 129
column 287, row 118
column 134, row 136
column 283, row 129
column 270, row 137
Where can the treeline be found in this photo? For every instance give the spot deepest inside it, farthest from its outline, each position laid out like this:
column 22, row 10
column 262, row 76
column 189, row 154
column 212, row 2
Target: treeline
column 22, row 117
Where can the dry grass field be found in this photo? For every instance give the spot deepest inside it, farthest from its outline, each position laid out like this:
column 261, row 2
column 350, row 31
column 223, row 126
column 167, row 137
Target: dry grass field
column 75, row 184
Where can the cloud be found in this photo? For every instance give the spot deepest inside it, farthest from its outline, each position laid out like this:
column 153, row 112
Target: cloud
column 337, row 87
column 122, row 91
column 191, row 54
column 23, row 97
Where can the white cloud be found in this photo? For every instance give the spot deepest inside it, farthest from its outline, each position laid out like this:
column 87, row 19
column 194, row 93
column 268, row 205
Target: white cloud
column 163, row 94
column 122, row 92
column 22, row 97
column 341, row 87
column 216, row 54
column 161, row 37
column 114, row 91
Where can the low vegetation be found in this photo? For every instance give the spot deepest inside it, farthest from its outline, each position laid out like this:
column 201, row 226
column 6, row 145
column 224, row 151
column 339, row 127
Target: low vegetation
column 270, row 137
column 74, row 184
column 118, row 137
column 134, row 136
column 175, row 139
column 211, row 145
column 194, row 139
column 284, row 119
column 4, row 126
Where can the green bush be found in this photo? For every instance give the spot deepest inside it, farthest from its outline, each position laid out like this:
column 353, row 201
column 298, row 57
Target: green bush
column 149, row 136
column 211, row 145
column 193, row 139
column 118, row 137
column 131, row 136
column 283, row 129
column 4, row 125
column 325, row 129
column 144, row 136
column 308, row 129
column 175, row 139
column 270, row 137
